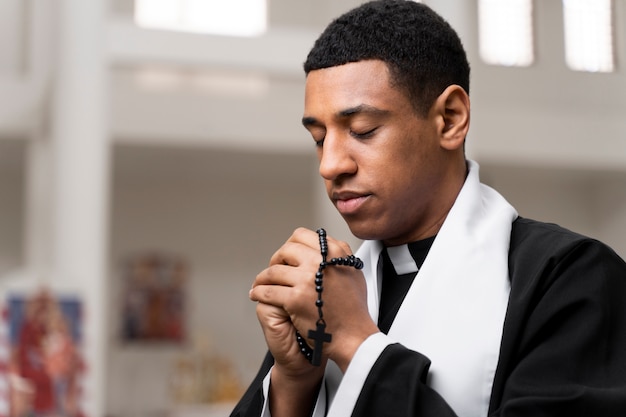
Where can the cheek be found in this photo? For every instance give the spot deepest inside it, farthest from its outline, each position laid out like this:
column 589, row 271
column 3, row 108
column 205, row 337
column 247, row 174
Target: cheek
column 407, row 181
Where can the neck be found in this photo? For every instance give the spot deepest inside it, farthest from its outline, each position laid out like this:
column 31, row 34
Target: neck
column 433, row 221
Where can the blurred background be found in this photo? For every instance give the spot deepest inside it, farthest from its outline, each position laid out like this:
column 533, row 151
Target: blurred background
column 152, row 159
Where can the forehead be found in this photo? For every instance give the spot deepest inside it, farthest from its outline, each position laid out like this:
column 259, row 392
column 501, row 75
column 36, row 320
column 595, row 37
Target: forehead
column 349, row 85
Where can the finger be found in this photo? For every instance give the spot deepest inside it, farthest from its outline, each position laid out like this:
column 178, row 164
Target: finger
column 301, row 241
column 293, row 300
column 312, row 239
column 304, row 236
column 338, row 248
column 284, row 275
column 295, row 254
column 285, row 286
column 271, row 316
column 274, row 295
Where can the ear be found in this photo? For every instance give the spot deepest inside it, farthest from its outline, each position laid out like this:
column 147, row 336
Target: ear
column 452, row 113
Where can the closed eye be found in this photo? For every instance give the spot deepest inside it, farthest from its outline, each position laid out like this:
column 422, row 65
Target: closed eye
column 363, row 135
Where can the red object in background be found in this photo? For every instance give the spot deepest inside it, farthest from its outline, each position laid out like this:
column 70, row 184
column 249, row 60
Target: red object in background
column 29, row 353
column 44, row 363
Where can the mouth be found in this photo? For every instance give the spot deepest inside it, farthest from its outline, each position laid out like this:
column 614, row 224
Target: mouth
column 348, row 202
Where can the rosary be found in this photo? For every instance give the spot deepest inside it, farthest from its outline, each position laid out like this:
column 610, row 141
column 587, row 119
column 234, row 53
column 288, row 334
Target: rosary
column 319, row 335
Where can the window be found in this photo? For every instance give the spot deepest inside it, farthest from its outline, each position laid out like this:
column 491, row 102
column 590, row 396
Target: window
column 506, row 32
column 588, row 35
column 220, row 17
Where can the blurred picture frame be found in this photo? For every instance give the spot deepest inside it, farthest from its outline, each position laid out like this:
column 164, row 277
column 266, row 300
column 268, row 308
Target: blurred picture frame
column 42, row 358
column 153, row 298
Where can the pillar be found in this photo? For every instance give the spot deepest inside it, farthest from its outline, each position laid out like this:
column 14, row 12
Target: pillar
column 80, row 158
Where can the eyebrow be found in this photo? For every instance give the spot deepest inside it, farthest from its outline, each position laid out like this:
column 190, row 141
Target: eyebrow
column 360, row 109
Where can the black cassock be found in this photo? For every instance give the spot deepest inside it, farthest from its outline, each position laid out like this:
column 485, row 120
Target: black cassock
column 563, row 348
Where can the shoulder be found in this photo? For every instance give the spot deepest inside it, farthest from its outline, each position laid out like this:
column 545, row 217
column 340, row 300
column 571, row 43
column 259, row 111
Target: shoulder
column 539, row 248
column 547, row 240
column 527, row 232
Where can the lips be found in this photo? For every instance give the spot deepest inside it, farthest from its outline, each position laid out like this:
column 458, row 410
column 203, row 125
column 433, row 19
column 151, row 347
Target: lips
column 349, row 202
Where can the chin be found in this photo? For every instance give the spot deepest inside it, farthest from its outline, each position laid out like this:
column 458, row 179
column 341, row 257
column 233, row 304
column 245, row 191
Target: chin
column 376, row 231
column 363, row 230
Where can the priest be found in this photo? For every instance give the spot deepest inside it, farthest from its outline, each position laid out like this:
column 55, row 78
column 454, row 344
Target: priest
column 454, row 305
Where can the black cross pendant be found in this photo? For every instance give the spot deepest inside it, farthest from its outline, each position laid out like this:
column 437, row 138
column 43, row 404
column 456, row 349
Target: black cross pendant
column 319, row 336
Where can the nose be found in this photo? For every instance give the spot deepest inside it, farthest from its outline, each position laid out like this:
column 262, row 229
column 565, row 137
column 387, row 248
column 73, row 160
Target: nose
column 336, row 157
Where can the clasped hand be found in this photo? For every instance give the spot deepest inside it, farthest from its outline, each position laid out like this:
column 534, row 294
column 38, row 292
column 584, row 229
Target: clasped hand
column 286, row 295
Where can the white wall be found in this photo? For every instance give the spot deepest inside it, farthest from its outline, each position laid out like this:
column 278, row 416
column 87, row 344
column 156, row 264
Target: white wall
column 226, row 213
column 588, row 202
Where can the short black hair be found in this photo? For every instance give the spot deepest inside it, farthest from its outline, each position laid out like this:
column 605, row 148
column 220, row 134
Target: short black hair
column 422, row 51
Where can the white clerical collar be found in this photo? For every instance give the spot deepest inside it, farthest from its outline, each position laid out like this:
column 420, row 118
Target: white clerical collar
column 402, row 259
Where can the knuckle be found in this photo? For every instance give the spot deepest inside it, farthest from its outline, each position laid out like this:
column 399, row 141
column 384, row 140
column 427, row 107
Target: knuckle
column 266, row 292
column 344, row 246
column 298, row 232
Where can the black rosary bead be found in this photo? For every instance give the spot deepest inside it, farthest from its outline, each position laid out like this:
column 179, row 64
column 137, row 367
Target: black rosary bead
column 314, row 355
column 304, row 348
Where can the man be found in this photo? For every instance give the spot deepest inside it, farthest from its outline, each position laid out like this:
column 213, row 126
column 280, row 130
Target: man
column 462, row 307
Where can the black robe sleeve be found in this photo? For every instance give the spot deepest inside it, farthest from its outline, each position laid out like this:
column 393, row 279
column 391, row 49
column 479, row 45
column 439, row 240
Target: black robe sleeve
column 563, row 350
column 251, row 404
column 396, row 386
